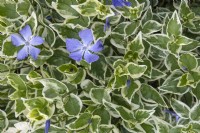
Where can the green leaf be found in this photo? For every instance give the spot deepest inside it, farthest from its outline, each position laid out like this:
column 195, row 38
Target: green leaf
column 32, row 21
column 149, row 128
column 42, row 57
column 9, row 50
column 64, row 31
column 196, row 91
column 18, row 84
column 19, row 107
column 155, row 53
column 129, row 91
column 104, row 114
column 98, row 31
column 47, row 33
column 5, row 26
column 52, row 129
column 105, row 128
column 120, row 68
column 59, row 57
column 118, row 62
column 79, row 77
column 183, row 40
column 186, row 79
column 87, row 85
column 133, row 13
column 136, row 71
column 186, row 14
column 73, row 105
column 119, row 29
column 171, row 62
column 87, row 8
column 137, row 45
column 8, row 10
column 131, row 28
column 120, row 101
column 64, row 8
column 3, row 120
column 23, row 7
column 156, row 74
column 98, row 94
column 148, row 63
column 163, row 127
column 148, row 15
column 68, row 69
column 143, row 115
column 173, row 47
column 4, row 71
column 119, row 81
column 93, row 8
column 188, row 61
column 175, row 130
column 151, row 95
column 193, row 45
column 194, row 113
column 131, row 56
column 33, row 75
column 195, row 126
column 118, row 40
column 180, row 108
column 158, row 40
column 53, row 88
column 126, row 115
column 82, row 122
column 195, row 75
column 95, row 121
column 170, row 84
column 98, row 68
column 39, row 108
column 80, row 21
column 2, row 28
column 151, row 26
column 111, row 108
column 174, row 26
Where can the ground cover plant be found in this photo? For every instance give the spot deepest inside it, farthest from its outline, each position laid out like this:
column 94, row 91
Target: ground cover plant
column 99, row 66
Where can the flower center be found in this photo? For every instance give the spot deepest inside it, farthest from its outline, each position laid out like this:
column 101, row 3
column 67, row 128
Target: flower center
column 27, row 43
column 84, row 48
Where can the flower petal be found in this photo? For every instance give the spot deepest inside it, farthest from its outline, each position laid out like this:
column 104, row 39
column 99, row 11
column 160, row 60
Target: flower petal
column 77, row 56
column 47, row 126
column 23, row 53
column 98, row 46
column 89, row 57
column 36, row 40
column 34, row 52
column 117, row 3
column 107, row 24
column 128, row 83
column 26, row 32
column 127, row 3
column 120, row 3
column 17, row 40
column 73, row 45
column 86, row 36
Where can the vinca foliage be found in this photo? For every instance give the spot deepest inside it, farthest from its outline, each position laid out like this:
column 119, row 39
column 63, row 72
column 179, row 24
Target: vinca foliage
column 99, row 66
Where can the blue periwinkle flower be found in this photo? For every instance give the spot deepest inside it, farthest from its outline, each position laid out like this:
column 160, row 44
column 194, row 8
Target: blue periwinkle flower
column 128, row 83
column 28, row 41
column 172, row 113
column 116, row 3
column 47, row 126
column 79, row 50
column 107, row 24
column 120, row 3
